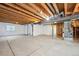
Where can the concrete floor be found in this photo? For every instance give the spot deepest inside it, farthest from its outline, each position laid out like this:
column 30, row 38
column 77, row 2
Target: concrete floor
column 37, row 46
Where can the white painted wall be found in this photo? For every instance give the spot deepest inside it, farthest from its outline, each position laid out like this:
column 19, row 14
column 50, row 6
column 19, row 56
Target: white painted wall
column 19, row 29
column 47, row 29
column 40, row 29
column 37, row 29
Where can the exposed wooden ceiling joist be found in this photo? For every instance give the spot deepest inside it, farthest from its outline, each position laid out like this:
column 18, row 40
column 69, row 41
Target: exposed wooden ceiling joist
column 76, row 9
column 22, row 14
column 22, row 9
column 70, row 7
column 11, row 14
column 13, row 19
column 60, row 7
column 56, row 8
column 47, row 9
column 50, row 7
column 15, row 11
column 31, row 12
column 65, row 8
column 38, row 10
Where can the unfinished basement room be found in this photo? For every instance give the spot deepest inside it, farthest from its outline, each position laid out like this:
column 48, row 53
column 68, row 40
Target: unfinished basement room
column 39, row 29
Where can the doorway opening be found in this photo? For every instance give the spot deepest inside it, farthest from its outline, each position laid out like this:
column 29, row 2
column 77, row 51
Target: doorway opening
column 58, row 30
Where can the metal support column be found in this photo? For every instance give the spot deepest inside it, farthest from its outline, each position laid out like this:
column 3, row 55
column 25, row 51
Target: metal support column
column 32, row 29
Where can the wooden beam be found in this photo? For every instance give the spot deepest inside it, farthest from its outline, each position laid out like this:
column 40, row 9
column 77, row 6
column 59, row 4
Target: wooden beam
column 56, row 8
column 65, row 8
column 14, row 17
column 14, row 14
column 47, row 9
column 37, row 9
column 21, row 9
column 15, row 11
column 76, row 9
column 8, row 16
column 52, row 10
column 30, row 10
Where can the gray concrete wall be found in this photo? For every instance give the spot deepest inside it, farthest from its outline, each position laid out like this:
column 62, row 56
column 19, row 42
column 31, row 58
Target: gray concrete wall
column 40, row 29
column 19, row 29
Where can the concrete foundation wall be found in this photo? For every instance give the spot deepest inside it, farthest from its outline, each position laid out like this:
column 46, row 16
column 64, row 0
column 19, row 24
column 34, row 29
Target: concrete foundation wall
column 19, row 29
column 40, row 29
column 29, row 29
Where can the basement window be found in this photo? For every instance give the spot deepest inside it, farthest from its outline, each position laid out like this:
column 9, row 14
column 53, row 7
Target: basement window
column 10, row 28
